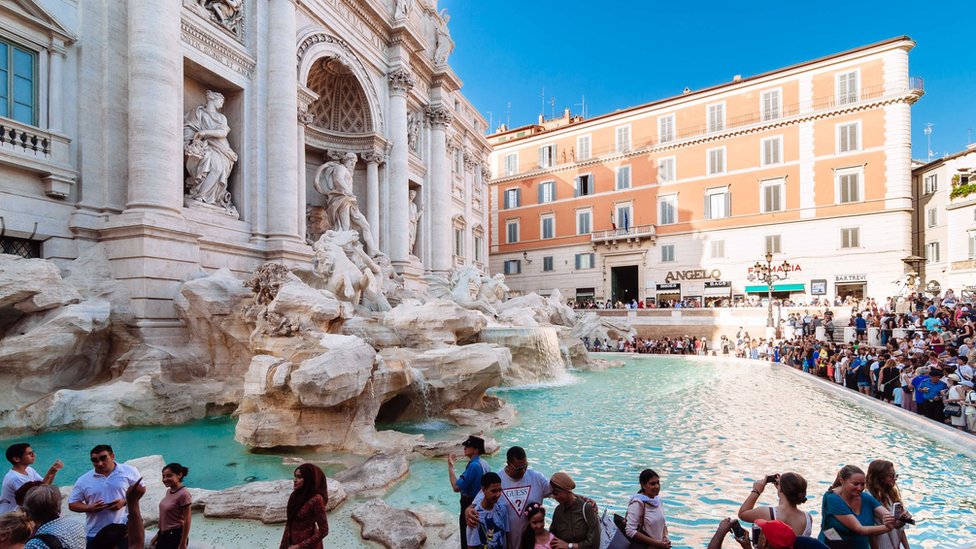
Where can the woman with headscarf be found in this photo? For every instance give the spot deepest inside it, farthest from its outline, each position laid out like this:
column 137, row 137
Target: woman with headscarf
column 645, row 517
column 307, row 524
column 882, row 484
column 792, row 491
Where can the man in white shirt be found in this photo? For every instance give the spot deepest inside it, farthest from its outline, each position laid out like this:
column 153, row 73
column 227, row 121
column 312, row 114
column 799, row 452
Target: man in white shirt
column 100, row 494
column 21, row 456
column 520, row 487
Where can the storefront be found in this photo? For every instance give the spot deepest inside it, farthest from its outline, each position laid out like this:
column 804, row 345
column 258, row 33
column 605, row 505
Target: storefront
column 780, row 291
column 851, row 285
column 668, row 292
column 718, row 293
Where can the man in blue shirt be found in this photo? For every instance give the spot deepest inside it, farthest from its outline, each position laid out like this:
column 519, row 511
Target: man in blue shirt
column 931, row 391
column 469, row 483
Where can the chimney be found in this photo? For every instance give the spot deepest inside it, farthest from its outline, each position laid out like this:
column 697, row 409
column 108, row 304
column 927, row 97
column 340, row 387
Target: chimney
column 542, row 118
column 737, row 78
column 566, row 113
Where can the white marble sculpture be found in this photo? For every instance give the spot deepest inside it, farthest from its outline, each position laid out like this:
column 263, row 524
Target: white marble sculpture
column 414, row 220
column 493, row 289
column 348, row 271
column 443, row 44
column 414, row 121
column 334, row 180
column 463, row 288
column 401, row 9
column 209, row 158
column 226, row 13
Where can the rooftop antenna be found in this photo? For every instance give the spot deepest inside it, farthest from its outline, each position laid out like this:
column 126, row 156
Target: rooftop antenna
column 928, row 136
column 552, row 106
column 543, row 111
column 508, row 116
column 582, row 105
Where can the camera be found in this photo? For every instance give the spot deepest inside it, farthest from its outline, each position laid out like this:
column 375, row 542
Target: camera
column 755, row 536
column 737, row 530
column 774, row 479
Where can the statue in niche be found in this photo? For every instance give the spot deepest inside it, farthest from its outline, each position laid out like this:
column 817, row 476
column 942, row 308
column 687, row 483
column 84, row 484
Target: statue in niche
column 401, row 9
column 334, row 180
column 413, row 131
column 227, row 13
column 209, row 158
column 414, row 216
column 443, row 44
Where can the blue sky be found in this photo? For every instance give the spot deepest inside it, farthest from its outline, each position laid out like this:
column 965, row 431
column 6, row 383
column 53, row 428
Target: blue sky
column 619, row 54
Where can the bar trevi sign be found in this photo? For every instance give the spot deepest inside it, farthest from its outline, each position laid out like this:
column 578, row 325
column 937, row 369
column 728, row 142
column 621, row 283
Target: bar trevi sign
column 862, row 277
column 693, row 274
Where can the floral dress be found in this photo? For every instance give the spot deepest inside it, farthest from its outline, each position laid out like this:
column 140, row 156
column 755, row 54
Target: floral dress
column 309, row 527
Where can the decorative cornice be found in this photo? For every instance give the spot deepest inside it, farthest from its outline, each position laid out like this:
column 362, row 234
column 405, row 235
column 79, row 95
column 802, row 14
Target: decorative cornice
column 204, row 42
column 401, row 81
column 439, row 116
column 374, row 157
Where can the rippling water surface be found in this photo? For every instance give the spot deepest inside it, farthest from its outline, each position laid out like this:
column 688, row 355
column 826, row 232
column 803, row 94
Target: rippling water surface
column 707, row 427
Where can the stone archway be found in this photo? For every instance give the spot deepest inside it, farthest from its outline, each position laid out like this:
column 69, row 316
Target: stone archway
column 342, row 105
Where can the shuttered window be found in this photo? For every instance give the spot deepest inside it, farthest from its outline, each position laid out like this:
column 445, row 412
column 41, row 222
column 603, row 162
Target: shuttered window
column 850, row 237
column 665, row 170
column 667, row 210
column 772, row 244
column 585, row 261
column 547, row 263
column 770, row 105
column 623, row 139
column 623, row 177
column 772, row 150
column 772, row 196
column 716, row 161
column 665, row 129
column 547, row 156
column 547, row 192
column 583, row 147
column 511, row 164
column 513, row 198
column 547, row 224
column 584, row 221
column 718, row 203
column 848, row 138
column 513, row 266
column 584, row 185
column 511, row 232
column 849, row 188
column 847, row 88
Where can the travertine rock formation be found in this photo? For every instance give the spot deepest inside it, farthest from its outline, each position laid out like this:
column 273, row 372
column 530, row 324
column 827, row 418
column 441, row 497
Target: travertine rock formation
column 388, row 526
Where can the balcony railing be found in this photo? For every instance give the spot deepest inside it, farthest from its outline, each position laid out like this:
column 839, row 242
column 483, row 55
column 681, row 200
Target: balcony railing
column 637, row 232
column 567, row 156
column 24, row 139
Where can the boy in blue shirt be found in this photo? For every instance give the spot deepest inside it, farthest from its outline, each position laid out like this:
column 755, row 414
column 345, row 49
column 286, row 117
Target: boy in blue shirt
column 492, row 516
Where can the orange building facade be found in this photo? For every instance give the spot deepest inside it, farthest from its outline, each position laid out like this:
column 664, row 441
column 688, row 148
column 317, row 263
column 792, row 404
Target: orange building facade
column 678, row 198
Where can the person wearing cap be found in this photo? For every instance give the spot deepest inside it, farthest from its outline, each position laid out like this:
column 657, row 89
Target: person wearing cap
column 469, row 483
column 957, row 396
column 575, row 523
column 931, row 391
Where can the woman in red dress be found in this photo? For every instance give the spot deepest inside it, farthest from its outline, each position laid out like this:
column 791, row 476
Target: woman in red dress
column 307, row 523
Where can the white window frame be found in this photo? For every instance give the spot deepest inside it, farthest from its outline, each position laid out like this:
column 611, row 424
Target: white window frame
column 551, row 186
column 578, row 179
column 629, row 207
column 930, row 183
column 588, row 139
column 622, row 147
column 668, row 253
column 673, row 175
column 850, row 237
column 715, row 125
column 931, row 247
column 513, row 202
column 672, row 201
column 846, row 99
column 578, row 261
column 618, row 174
column 542, row 226
column 763, row 185
column 459, row 242
column 589, row 213
column 517, row 263
column 839, row 174
column 763, row 159
column 665, row 129
column 478, row 243
column 717, row 249
column 509, row 224
column 726, row 202
column 777, row 243
column 511, row 165
column 547, row 156
column 769, row 115
column 708, row 161
column 857, row 130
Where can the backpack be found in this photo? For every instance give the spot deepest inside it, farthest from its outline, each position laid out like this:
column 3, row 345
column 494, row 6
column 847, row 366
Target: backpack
column 52, row 541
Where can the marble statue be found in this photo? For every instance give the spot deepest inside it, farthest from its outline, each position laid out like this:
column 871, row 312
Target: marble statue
column 209, row 158
column 463, row 288
column 401, row 9
column 227, row 13
column 413, row 131
column 334, row 180
column 493, row 289
column 414, row 219
column 443, row 44
column 348, row 271
column 372, row 293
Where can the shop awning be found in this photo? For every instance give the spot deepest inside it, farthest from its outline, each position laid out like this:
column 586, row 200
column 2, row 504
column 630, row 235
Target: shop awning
column 764, row 289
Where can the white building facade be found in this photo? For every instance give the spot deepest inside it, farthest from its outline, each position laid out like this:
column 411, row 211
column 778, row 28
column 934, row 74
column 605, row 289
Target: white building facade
column 182, row 135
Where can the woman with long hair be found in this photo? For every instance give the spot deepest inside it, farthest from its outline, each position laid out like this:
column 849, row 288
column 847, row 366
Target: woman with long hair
column 882, row 484
column 307, row 524
column 848, row 512
column 792, row 491
column 15, row 529
column 535, row 535
column 645, row 518
column 888, row 380
column 174, row 510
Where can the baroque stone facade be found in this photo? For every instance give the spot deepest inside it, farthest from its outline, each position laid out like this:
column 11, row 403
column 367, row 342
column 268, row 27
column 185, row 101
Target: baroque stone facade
column 101, row 156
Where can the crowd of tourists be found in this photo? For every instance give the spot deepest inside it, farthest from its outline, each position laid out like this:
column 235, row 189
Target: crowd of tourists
column 109, row 496
column 713, row 302
column 507, row 510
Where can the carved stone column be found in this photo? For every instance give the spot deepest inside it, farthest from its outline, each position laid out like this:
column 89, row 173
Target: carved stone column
column 440, row 192
column 282, row 123
column 373, row 161
column 55, row 113
column 155, row 106
column 400, row 82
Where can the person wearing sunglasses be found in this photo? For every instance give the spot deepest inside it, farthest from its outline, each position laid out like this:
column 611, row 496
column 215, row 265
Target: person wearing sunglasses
column 101, row 495
column 522, row 487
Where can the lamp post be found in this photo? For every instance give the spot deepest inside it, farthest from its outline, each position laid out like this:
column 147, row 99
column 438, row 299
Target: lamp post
column 766, row 274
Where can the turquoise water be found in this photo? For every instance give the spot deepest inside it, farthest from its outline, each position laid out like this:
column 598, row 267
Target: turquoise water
column 708, row 428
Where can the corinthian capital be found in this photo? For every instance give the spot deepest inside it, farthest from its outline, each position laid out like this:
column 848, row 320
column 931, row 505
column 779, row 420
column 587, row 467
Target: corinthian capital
column 439, row 116
column 374, row 157
column 400, row 80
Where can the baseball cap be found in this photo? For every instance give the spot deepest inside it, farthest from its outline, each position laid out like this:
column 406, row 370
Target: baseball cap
column 779, row 534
